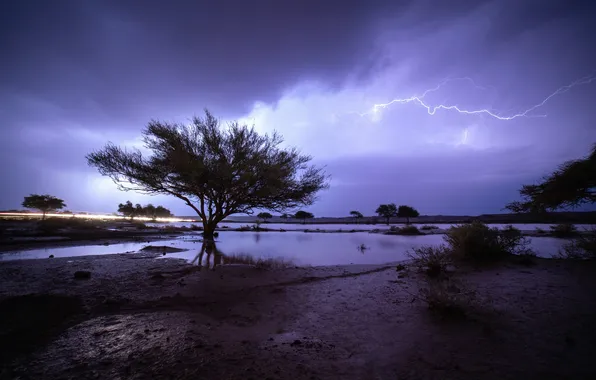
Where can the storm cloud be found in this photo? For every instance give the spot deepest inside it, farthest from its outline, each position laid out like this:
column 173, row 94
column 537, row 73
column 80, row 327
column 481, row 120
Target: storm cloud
column 77, row 74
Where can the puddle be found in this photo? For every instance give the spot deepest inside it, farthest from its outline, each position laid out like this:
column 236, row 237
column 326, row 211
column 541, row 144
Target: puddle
column 297, row 247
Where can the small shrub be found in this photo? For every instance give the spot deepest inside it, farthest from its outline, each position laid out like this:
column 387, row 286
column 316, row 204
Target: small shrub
column 428, row 228
column 540, row 231
column 563, row 230
column 432, row 260
column 477, row 242
column 447, row 299
column 407, row 230
column 56, row 224
column 194, row 227
column 259, row 263
column 582, row 247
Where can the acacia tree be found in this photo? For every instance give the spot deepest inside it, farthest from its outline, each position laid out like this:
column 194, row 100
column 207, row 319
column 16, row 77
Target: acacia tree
column 407, row 212
column 264, row 216
column 43, row 203
column 356, row 215
column 216, row 171
column 387, row 211
column 149, row 211
column 571, row 185
column 303, row 215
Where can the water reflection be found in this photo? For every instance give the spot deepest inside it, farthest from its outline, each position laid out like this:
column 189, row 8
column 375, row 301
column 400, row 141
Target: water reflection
column 208, row 249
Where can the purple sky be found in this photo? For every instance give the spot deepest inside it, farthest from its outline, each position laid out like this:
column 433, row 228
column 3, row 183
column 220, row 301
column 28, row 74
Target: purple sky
column 76, row 74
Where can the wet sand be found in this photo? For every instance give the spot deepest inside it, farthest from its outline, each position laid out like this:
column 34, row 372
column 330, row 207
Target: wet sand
column 143, row 317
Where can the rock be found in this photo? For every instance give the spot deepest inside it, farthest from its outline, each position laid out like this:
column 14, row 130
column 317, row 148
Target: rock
column 51, row 256
column 82, row 275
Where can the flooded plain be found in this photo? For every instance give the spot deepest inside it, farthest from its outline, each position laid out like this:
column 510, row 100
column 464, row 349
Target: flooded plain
column 303, row 249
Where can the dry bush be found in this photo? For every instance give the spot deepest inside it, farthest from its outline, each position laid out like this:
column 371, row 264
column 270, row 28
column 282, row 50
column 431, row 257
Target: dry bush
column 56, row 224
column 428, row 228
column 407, row 230
column 448, row 298
column 479, row 243
column 563, row 230
column 432, row 260
column 582, row 247
column 260, row 263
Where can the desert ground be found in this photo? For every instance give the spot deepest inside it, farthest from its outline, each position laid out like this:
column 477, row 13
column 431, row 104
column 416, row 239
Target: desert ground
column 147, row 316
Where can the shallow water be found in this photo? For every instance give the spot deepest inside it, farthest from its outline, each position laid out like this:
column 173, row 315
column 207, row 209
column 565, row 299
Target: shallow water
column 315, row 249
column 354, row 226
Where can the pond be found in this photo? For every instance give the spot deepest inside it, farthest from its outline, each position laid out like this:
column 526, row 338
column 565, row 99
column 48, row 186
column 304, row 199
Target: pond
column 317, row 249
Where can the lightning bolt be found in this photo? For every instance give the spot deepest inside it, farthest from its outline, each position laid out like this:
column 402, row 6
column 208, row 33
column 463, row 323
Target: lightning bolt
column 419, row 99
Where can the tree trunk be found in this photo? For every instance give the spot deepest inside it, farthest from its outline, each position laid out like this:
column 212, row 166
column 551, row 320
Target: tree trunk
column 208, row 230
column 43, row 215
column 407, row 220
column 387, row 221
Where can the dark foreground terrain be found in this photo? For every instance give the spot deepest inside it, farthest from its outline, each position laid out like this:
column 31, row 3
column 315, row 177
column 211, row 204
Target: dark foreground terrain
column 142, row 317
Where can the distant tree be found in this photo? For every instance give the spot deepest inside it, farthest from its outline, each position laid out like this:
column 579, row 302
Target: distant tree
column 215, row 171
column 139, row 211
column 303, row 215
column 571, row 185
column 149, row 211
column 407, row 212
column 285, row 216
column 162, row 212
column 387, row 211
column 126, row 209
column 264, row 216
column 43, row 203
column 356, row 215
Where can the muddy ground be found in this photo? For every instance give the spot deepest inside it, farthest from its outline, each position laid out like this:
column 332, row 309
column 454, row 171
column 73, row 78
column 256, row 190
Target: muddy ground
column 143, row 317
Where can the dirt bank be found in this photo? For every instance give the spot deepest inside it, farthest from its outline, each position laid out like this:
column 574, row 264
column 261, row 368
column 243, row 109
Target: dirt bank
column 141, row 317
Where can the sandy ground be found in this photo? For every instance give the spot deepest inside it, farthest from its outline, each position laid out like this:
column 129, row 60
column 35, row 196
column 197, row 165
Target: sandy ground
column 142, row 317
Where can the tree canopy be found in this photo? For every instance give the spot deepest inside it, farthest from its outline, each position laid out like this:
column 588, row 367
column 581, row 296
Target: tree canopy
column 43, row 203
column 407, row 212
column 387, row 211
column 216, row 171
column 150, row 211
column 303, row 215
column 356, row 214
column 264, row 216
column 571, row 185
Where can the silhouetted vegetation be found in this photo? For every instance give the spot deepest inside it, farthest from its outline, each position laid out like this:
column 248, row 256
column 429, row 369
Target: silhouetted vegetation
column 407, row 212
column 216, row 171
column 149, row 211
column 356, row 215
column 264, row 216
column 43, row 203
column 563, row 230
column 407, row 230
column 581, row 247
column 387, row 211
column 479, row 243
column 571, row 185
column 428, row 228
column 303, row 215
column 432, row 260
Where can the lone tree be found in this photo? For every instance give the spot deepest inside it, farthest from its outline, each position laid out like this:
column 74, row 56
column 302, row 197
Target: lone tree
column 571, row 185
column 264, row 216
column 215, row 171
column 303, row 215
column 126, row 209
column 356, row 215
column 407, row 212
column 387, row 211
column 43, row 203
